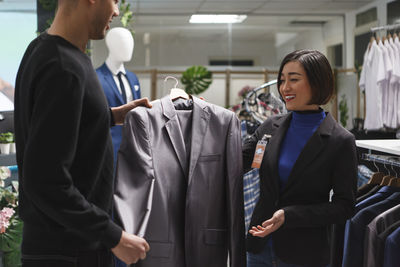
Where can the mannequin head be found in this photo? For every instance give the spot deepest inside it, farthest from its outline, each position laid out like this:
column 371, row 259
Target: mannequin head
column 120, row 44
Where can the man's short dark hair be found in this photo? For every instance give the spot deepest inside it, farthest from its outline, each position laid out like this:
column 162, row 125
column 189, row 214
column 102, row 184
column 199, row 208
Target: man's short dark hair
column 319, row 73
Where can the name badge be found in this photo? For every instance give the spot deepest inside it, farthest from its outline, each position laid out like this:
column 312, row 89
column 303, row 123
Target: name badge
column 260, row 150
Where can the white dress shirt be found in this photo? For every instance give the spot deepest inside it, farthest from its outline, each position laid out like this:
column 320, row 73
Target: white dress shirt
column 128, row 89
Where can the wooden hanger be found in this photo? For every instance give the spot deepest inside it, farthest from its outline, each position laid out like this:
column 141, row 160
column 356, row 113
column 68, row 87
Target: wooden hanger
column 175, row 92
column 371, row 40
column 386, row 179
column 395, row 182
column 376, row 178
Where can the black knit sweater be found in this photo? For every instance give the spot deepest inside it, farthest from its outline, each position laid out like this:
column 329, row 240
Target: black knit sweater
column 64, row 151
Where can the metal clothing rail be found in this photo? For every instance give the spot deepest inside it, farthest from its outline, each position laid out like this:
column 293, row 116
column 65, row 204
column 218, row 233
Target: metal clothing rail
column 386, row 27
column 251, row 93
column 386, row 160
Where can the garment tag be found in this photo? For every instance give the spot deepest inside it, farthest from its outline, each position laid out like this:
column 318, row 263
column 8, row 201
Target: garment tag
column 260, row 150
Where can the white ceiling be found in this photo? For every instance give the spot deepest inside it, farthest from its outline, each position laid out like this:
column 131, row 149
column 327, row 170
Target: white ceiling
column 265, row 19
column 249, row 7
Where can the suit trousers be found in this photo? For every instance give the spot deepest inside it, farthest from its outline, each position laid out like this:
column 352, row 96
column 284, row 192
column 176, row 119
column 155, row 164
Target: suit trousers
column 267, row 258
column 99, row 258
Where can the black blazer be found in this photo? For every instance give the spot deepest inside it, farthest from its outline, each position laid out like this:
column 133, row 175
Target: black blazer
column 327, row 161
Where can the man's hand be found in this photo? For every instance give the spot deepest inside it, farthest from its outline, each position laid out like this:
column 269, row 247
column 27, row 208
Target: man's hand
column 131, row 248
column 270, row 225
column 120, row 112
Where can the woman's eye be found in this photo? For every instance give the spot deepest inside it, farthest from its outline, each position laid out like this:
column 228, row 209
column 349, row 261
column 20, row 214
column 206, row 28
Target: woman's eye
column 294, row 80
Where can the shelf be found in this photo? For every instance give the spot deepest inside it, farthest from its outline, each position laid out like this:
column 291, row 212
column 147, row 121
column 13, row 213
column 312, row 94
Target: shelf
column 391, row 146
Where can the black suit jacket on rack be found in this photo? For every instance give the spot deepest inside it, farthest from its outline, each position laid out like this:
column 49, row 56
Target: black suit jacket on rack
column 328, row 161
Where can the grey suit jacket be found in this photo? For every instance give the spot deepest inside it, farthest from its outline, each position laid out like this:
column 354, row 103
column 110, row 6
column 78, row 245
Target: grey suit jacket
column 374, row 247
column 188, row 218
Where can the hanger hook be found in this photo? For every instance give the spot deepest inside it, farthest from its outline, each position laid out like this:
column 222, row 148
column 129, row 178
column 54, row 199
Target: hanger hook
column 384, row 164
column 172, row 77
column 374, row 161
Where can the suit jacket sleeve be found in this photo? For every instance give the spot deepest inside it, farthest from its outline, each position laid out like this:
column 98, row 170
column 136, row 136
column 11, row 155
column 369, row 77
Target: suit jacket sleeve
column 237, row 252
column 344, row 179
column 135, row 172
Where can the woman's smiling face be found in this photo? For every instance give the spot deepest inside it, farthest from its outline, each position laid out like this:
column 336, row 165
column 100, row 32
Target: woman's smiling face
column 295, row 88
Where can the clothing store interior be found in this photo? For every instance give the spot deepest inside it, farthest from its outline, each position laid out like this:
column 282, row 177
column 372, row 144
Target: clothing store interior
column 228, row 53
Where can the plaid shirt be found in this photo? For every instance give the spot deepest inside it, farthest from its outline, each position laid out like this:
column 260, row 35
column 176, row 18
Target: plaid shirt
column 251, row 191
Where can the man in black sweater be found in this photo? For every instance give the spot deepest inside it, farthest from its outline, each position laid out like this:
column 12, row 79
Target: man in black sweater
column 64, row 149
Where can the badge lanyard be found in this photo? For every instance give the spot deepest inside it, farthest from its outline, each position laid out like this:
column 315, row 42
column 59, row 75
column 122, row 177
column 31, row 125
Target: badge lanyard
column 260, row 150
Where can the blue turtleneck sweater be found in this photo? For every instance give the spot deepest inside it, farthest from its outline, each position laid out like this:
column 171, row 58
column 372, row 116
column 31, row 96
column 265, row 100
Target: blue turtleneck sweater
column 301, row 128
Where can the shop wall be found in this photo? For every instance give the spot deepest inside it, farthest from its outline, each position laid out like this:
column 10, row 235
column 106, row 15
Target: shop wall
column 350, row 19
column 333, row 32
column 168, row 52
column 319, row 38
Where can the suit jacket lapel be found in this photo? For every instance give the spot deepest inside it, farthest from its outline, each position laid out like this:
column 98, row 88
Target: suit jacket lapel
column 174, row 131
column 110, row 80
column 200, row 119
column 271, row 157
column 312, row 148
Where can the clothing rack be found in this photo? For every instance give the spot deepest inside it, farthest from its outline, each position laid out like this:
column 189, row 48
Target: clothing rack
column 254, row 91
column 386, row 27
column 386, row 160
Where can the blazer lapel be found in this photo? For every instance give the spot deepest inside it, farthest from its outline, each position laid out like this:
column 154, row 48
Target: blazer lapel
column 200, row 119
column 271, row 157
column 110, row 80
column 174, row 132
column 312, row 148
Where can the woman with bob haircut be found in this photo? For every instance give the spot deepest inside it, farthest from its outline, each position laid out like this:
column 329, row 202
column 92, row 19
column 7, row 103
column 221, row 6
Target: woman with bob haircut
column 307, row 155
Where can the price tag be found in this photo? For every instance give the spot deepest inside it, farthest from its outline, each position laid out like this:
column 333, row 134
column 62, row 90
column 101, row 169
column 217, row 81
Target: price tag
column 260, row 150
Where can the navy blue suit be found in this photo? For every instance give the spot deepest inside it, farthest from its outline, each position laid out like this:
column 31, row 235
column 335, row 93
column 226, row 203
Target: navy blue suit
column 355, row 230
column 115, row 99
column 392, row 248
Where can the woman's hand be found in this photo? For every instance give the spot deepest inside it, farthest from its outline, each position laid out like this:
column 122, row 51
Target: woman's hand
column 270, row 225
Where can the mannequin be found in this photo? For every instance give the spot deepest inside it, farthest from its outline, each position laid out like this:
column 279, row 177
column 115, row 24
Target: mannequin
column 120, row 44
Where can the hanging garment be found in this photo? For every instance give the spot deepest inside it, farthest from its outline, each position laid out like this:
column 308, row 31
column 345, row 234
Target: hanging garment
column 395, row 79
column 392, row 247
column 188, row 208
column 387, row 59
column 355, row 230
column 251, row 188
column 372, row 80
column 373, row 248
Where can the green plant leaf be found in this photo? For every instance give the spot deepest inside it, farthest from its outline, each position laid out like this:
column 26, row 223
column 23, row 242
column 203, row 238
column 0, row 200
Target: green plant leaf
column 343, row 109
column 126, row 18
column 48, row 5
column 12, row 238
column 12, row 258
column 196, row 79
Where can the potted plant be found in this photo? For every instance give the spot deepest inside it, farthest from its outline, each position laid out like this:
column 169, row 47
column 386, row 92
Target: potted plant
column 10, row 223
column 5, row 140
column 12, row 145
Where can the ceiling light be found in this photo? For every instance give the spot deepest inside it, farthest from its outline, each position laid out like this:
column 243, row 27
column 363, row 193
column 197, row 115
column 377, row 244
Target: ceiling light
column 217, row 18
